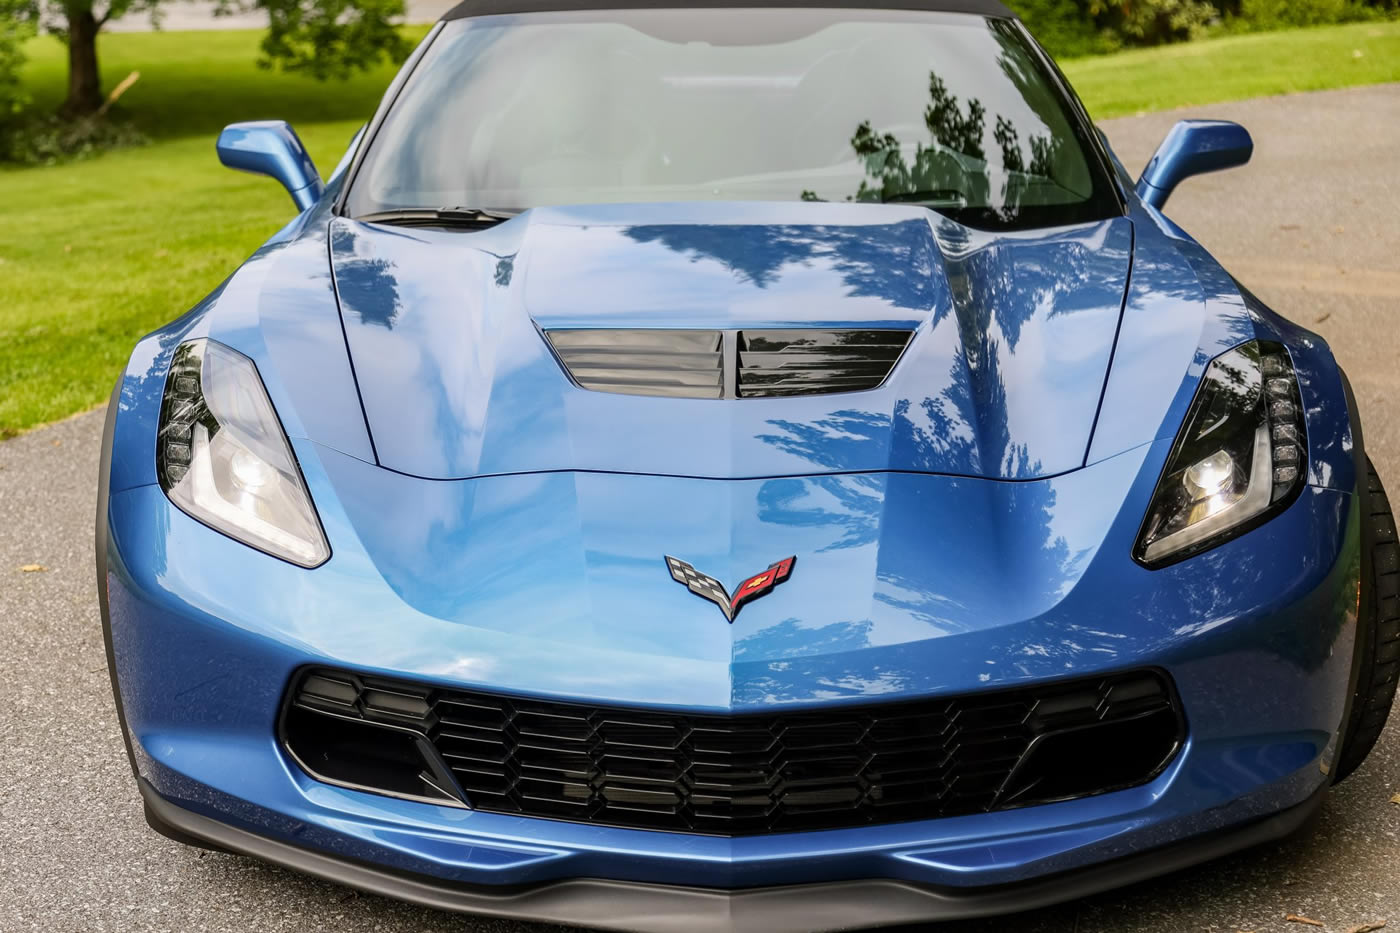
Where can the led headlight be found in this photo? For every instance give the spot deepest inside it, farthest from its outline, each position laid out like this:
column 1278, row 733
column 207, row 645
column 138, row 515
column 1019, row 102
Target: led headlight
column 222, row 457
column 1240, row 457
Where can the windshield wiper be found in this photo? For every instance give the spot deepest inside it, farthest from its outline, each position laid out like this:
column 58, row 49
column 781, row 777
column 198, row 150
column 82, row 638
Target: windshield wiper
column 439, row 217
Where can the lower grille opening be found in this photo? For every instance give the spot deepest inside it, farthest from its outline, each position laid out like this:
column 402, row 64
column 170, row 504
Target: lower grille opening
column 363, row 755
column 1080, row 762
column 739, row 774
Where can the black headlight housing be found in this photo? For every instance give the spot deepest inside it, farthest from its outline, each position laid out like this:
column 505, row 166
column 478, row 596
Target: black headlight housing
column 1240, row 458
column 223, row 458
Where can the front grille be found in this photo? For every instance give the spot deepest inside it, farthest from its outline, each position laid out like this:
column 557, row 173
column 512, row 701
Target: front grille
column 738, row 774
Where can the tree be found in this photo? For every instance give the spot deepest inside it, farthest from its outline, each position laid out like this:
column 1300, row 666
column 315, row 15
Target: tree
column 323, row 38
column 15, row 28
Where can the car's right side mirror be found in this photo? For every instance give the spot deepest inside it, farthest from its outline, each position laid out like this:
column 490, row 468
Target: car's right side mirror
column 1193, row 147
column 271, row 147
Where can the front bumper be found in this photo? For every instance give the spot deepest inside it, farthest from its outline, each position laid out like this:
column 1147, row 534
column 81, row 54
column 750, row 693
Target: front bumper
column 841, row 905
column 1257, row 636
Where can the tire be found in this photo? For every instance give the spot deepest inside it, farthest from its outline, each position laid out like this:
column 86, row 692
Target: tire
column 1378, row 638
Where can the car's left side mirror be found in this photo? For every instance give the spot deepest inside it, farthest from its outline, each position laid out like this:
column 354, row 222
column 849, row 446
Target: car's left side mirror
column 271, row 147
column 1193, row 147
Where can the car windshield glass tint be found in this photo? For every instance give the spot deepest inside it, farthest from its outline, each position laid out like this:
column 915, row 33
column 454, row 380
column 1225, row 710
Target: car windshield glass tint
column 952, row 111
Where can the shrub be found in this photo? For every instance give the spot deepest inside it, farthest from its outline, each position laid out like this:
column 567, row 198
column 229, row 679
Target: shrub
column 1152, row 22
column 53, row 139
column 1064, row 27
column 16, row 25
column 1085, row 27
column 1282, row 14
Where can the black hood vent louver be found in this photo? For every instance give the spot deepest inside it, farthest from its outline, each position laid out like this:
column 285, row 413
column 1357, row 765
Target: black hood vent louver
column 781, row 362
column 669, row 363
column 816, row 362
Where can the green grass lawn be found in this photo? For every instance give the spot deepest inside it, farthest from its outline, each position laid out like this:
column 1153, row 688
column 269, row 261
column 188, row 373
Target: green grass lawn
column 1237, row 67
column 94, row 254
column 195, row 83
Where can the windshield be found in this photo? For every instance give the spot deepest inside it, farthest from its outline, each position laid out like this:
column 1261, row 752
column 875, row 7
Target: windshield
column 953, row 111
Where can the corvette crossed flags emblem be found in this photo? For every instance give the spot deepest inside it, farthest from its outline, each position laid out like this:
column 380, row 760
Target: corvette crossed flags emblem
column 709, row 588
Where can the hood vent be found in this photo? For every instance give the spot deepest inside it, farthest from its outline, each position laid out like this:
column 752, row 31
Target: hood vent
column 670, row 363
column 816, row 362
column 728, row 364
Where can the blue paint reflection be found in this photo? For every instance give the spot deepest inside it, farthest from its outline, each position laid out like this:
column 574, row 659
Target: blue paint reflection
column 892, row 262
column 369, row 286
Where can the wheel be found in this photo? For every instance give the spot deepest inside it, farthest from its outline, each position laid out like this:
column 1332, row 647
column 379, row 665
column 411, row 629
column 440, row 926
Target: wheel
column 1378, row 638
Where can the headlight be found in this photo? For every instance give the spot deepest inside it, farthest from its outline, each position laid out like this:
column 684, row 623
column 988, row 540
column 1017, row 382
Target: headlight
column 222, row 457
column 1240, row 457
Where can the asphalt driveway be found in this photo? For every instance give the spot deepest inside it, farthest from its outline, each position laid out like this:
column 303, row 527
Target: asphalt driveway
column 1311, row 226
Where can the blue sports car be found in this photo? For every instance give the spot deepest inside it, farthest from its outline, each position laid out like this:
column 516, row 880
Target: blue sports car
column 738, row 467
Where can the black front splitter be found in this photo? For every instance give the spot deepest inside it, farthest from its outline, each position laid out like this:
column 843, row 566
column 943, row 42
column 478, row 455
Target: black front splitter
column 657, row 908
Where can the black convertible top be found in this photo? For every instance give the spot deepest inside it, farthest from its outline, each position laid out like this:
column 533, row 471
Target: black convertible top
column 494, row 7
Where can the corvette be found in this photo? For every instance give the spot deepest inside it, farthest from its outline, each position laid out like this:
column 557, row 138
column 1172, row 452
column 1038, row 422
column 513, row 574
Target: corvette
column 738, row 467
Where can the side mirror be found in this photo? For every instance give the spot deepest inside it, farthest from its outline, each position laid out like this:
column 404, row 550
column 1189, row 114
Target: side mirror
column 271, row 147
column 1193, row 147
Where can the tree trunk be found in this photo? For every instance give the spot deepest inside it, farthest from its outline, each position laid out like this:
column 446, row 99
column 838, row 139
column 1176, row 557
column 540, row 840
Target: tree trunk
column 84, row 81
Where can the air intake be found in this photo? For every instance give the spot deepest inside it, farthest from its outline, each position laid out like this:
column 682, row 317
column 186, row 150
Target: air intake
column 816, row 362
column 738, row 774
column 670, row 363
column 728, row 364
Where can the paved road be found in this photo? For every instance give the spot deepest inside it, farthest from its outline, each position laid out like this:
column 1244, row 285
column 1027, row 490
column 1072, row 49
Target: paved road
column 1310, row 226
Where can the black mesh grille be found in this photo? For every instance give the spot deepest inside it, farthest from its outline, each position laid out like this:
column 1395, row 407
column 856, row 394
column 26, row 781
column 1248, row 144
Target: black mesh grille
column 816, row 362
column 755, row 773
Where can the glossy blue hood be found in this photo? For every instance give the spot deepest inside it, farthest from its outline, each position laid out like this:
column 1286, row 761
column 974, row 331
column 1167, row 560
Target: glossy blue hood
column 556, row 584
column 1012, row 338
